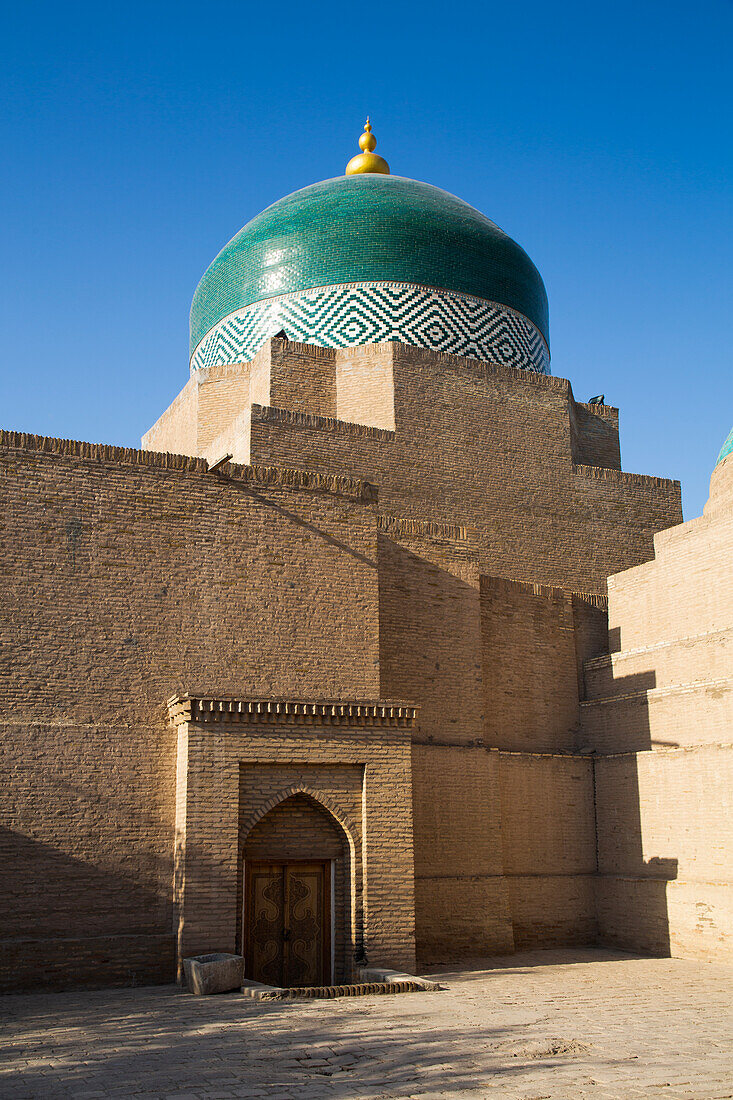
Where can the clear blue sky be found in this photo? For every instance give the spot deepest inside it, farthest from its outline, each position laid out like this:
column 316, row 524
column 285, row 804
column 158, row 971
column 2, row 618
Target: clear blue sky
column 138, row 138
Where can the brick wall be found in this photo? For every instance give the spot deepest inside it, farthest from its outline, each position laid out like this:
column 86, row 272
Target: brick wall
column 530, row 675
column 549, row 848
column 133, row 577
column 662, row 707
column 492, row 449
column 127, row 578
column 364, row 386
column 430, row 631
column 86, row 854
column 508, row 452
column 461, row 906
column 594, row 435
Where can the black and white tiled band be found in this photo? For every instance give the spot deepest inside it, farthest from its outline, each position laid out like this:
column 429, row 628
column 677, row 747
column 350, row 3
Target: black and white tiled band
column 368, row 313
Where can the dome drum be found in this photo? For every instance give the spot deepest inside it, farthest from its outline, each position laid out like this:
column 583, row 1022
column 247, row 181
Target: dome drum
column 351, row 314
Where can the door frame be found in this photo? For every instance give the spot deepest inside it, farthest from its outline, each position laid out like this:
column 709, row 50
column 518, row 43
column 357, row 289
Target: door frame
column 328, row 930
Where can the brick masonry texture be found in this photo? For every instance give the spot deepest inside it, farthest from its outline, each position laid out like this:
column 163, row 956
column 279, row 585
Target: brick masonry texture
column 359, row 773
column 506, row 452
column 659, row 710
column 391, row 525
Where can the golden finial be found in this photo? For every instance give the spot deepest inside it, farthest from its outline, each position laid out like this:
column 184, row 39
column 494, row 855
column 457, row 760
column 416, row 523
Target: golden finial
column 367, row 160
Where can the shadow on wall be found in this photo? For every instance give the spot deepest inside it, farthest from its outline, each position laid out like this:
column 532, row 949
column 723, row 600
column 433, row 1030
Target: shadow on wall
column 67, row 922
column 632, row 883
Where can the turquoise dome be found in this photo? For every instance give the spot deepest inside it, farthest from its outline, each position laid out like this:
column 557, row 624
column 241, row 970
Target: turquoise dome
column 726, row 449
column 363, row 228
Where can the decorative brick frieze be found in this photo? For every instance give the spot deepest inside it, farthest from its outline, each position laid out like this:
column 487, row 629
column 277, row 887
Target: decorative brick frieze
column 191, row 708
column 406, row 528
column 622, row 477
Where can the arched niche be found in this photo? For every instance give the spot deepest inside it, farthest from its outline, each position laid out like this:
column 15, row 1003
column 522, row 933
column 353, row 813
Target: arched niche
column 297, row 893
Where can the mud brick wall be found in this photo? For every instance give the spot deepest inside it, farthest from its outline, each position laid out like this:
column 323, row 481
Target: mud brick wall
column 461, row 906
column 86, row 854
column 430, row 635
column 303, row 377
column 130, row 577
column 202, row 419
column 430, row 629
column 206, row 405
column 364, row 386
column 529, row 666
column 594, row 435
column 176, row 430
column 665, row 832
column 590, row 618
column 491, row 663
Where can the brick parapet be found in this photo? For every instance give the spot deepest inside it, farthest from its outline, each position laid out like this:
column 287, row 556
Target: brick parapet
column 255, row 474
column 548, row 592
column 622, row 477
column 100, row 452
column 271, row 414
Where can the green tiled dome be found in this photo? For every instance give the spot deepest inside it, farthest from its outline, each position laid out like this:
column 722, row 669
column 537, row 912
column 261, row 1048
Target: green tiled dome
column 726, row 449
column 362, row 228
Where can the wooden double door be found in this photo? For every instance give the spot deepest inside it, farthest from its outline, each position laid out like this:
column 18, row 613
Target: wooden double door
column 287, row 926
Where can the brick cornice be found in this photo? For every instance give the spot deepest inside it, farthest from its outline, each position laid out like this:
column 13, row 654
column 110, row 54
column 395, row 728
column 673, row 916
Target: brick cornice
column 289, row 712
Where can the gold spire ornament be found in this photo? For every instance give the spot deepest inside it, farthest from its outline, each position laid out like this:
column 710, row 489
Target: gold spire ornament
column 367, row 160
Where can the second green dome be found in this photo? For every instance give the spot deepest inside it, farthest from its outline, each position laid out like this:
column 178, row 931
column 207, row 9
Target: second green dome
column 726, row 449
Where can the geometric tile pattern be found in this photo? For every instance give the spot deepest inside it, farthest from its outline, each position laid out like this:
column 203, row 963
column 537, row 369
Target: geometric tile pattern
column 350, row 314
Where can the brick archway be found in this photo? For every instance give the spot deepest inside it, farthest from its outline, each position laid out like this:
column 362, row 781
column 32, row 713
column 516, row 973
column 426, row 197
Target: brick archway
column 351, row 832
column 299, row 826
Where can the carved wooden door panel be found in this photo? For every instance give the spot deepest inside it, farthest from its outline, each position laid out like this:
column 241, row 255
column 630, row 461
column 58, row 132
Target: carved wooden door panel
column 265, row 913
column 288, row 923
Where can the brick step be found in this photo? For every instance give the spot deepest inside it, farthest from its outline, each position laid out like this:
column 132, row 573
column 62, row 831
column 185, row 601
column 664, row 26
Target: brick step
column 706, row 656
column 660, row 718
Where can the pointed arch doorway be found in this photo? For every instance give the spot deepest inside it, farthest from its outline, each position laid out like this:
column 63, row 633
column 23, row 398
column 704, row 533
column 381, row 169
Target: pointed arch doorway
column 296, row 919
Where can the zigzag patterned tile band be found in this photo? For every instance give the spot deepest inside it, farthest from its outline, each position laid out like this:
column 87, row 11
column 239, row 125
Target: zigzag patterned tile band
column 369, row 313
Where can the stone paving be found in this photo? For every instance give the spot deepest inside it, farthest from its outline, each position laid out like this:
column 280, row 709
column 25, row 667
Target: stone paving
column 553, row 1025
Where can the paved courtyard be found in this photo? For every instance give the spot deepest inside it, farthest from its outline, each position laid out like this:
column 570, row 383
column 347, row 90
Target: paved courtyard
column 553, row 1025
